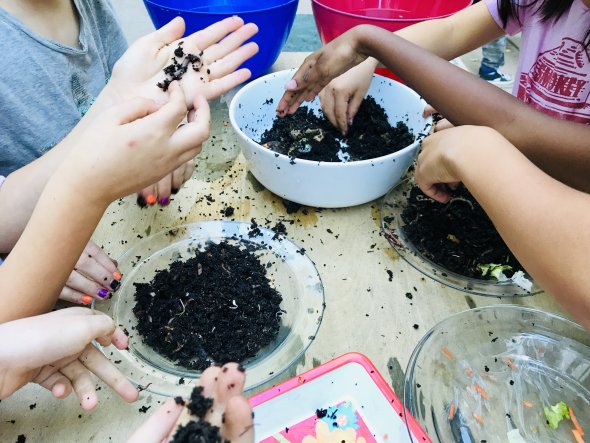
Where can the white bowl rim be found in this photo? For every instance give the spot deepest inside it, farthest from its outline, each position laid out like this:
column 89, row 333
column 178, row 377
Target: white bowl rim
column 384, row 158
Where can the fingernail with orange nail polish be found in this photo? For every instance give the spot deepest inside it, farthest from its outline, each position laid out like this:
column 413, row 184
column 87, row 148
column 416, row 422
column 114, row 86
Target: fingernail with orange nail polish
column 87, row 299
column 151, row 199
column 117, row 275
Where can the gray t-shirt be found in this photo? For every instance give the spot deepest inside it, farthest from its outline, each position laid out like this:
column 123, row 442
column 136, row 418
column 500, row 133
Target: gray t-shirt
column 45, row 87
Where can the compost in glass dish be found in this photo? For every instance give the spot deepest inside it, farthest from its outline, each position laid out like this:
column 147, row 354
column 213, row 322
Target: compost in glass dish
column 453, row 243
column 309, row 136
column 213, row 308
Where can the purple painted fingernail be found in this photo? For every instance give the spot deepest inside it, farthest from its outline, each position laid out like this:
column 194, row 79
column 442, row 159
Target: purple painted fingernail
column 164, row 201
column 102, row 293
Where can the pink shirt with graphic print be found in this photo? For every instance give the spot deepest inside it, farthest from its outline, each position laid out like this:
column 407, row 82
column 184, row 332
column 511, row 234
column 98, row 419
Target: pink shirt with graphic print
column 553, row 72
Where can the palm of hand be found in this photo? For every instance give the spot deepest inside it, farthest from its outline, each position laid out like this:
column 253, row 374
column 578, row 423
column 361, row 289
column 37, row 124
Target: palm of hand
column 219, row 48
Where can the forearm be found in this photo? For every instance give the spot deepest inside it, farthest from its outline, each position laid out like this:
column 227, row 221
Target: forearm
column 59, row 228
column 558, row 147
column 21, row 191
column 541, row 220
column 455, row 35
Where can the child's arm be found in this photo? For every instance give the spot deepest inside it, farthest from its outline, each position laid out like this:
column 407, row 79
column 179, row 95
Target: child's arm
column 448, row 38
column 543, row 221
column 558, row 147
column 122, row 151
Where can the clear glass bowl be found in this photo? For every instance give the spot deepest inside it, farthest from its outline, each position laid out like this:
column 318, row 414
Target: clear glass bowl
column 290, row 271
column 520, row 358
column 392, row 225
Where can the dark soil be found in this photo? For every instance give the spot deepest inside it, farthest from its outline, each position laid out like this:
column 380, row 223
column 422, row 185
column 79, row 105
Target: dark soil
column 305, row 136
column 179, row 66
column 216, row 307
column 199, row 431
column 458, row 235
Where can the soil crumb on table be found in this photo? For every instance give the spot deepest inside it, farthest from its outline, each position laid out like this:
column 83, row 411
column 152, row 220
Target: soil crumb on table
column 215, row 307
column 458, row 235
column 306, row 136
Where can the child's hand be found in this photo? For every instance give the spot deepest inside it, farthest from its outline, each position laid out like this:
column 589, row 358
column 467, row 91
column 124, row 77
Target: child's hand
column 444, row 155
column 320, row 68
column 230, row 412
column 55, row 350
column 439, row 125
column 342, row 97
column 139, row 70
column 94, row 277
column 133, row 145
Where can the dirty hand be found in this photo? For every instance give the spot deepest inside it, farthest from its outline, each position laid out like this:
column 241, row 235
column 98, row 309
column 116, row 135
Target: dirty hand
column 94, row 277
column 230, row 412
column 319, row 69
column 342, row 97
column 135, row 144
column 445, row 154
column 434, row 172
column 140, row 69
column 440, row 125
column 55, row 350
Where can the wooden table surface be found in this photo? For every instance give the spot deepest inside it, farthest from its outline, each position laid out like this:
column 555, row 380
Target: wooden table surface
column 366, row 310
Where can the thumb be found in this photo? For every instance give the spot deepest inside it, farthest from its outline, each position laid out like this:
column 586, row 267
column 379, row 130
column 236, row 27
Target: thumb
column 428, row 110
column 132, row 110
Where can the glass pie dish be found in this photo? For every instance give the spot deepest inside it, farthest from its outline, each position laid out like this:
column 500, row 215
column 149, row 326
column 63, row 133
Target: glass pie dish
column 288, row 269
column 392, row 226
column 487, row 374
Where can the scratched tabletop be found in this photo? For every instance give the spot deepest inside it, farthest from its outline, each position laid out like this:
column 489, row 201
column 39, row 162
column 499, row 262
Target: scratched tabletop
column 376, row 303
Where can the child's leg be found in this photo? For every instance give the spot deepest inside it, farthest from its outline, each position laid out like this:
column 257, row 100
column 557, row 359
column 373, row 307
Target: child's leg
column 493, row 59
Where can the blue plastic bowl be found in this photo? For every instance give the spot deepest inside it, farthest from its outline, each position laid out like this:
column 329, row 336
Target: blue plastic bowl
column 274, row 19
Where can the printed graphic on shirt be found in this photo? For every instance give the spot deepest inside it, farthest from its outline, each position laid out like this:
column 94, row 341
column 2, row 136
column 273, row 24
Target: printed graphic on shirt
column 558, row 83
column 81, row 96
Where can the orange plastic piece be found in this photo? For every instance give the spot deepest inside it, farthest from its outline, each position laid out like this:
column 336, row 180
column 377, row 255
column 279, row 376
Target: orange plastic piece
column 510, row 363
column 480, row 391
column 452, row 411
column 575, row 422
column 479, row 418
column 577, row 436
column 447, row 353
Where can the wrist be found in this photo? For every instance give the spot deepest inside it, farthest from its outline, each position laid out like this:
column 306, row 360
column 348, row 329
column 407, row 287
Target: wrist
column 76, row 193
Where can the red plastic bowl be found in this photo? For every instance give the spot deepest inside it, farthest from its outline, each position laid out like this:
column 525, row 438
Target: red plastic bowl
column 334, row 17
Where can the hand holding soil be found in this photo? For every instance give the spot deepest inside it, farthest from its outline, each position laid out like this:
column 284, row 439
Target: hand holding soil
column 55, row 350
column 139, row 144
column 216, row 412
column 218, row 47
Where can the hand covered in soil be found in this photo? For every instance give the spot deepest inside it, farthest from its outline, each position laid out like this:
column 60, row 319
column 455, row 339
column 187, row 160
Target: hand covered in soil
column 319, row 69
column 342, row 97
column 437, row 167
column 94, row 276
column 138, row 71
column 439, row 125
column 134, row 144
column 230, row 412
column 55, row 350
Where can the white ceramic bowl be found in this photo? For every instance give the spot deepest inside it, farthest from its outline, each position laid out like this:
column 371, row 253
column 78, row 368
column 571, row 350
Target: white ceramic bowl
column 324, row 184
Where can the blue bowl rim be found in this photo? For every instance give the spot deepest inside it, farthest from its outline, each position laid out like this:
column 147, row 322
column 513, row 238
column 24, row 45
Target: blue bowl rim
column 283, row 4
column 381, row 19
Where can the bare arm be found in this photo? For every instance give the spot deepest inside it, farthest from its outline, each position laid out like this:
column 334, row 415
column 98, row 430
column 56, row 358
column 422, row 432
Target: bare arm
column 558, row 147
column 542, row 221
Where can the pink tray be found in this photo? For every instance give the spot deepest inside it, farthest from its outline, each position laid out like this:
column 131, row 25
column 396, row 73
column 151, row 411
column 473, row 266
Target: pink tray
column 360, row 407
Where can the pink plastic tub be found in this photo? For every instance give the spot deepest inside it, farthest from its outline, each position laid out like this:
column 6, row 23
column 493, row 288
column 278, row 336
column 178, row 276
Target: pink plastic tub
column 334, row 17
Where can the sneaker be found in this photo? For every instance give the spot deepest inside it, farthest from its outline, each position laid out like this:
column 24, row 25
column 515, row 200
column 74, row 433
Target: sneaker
column 495, row 76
